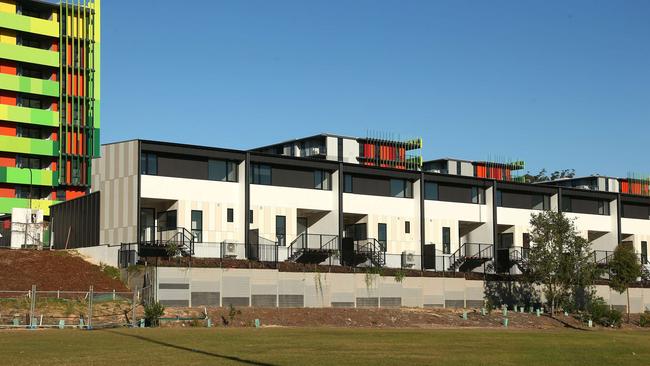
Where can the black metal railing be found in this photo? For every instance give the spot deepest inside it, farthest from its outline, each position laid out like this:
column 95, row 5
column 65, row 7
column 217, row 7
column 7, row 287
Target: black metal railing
column 470, row 251
column 602, row 257
column 176, row 240
column 312, row 242
column 373, row 249
column 127, row 255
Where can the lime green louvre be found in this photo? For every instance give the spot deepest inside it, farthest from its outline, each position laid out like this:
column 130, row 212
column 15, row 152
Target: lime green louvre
column 24, row 84
column 29, row 54
column 33, row 116
column 22, row 145
column 29, row 24
column 39, row 177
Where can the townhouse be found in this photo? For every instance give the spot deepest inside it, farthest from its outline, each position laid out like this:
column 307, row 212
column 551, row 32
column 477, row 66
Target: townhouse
column 334, row 200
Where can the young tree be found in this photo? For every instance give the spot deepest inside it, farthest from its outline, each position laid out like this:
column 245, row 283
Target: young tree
column 624, row 269
column 559, row 259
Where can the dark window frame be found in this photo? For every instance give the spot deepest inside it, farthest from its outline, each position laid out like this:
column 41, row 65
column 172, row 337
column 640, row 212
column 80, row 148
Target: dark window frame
column 407, row 227
column 197, row 233
column 230, row 215
column 446, row 240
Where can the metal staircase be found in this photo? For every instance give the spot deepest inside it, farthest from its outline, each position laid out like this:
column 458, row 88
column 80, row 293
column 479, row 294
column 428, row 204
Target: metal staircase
column 313, row 248
column 370, row 250
column 168, row 243
column 470, row 256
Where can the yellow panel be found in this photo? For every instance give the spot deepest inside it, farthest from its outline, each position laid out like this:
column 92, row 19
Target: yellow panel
column 55, row 15
column 8, row 6
column 7, row 36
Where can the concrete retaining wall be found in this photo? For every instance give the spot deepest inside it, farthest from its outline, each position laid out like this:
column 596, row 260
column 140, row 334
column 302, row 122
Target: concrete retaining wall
column 271, row 288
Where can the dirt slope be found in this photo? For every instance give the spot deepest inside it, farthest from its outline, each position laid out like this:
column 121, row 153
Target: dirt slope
column 52, row 270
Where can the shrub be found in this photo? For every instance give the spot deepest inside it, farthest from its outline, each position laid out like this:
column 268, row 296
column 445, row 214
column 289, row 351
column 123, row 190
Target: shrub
column 600, row 313
column 644, row 321
column 110, row 271
column 152, row 313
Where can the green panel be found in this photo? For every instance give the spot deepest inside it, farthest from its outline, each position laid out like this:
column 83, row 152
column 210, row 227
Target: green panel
column 29, row 54
column 29, row 85
column 6, row 204
column 40, row 177
column 24, row 145
column 42, row 117
column 29, row 24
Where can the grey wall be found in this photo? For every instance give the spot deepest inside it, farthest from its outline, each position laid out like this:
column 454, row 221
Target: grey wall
column 75, row 223
column 115, row 174
column 271, row 288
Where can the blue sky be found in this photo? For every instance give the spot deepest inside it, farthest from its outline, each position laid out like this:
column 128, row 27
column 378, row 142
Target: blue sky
column 559, row 84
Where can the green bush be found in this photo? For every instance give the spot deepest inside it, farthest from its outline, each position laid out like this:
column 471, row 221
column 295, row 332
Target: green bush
column 599, row 312
column 110, row 271
column 152, row 313
column 644, row 321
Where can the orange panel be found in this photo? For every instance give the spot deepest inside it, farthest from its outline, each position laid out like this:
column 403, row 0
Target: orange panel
column 7, row 192
column 7, row 160
column 7, row 129
column 7, row 97
column 8, row 67
column 73, row 193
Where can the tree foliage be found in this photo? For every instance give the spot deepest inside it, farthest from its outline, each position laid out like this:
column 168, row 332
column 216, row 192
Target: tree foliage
column 624, row 269
column 543, row 175
column 560, row 261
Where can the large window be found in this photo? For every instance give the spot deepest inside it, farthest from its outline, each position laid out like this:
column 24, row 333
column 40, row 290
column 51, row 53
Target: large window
column 446, row 240
column 260, row 174
column 28, row 162
column 585, row 205
column 148, row 163
column 347, row 183
column 322, row 179
column 401, row 188
column 167, row 220
column 431, row 191
column 197, row 225
column 225, row 171
column 528, row 201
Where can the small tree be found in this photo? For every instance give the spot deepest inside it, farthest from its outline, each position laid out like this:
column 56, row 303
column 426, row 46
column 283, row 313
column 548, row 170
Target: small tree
column 559, row 260
column 624, row 270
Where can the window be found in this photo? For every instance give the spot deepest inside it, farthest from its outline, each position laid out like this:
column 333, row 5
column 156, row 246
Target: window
column 382, row 235
column 149, row 164
column 27, row 162
column 526, row 244
column 29, row 132
column 60, row 195
column 499, row 199
column 446, row 240
column 431, row 191
column 603, row 208
column 347, row 183
column 407, row 227
column 261, row 174
column 31, row 73
column 197, row 225
column 250, row 216
column 644, row 252
column 478, row 195
column 225, row 171
column 230, row 215
column 401, row 188
column 322, row 179
column 167, row 221
column 281, row 229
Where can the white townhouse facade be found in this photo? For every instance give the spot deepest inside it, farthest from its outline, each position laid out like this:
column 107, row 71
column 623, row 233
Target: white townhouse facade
column 325, row 200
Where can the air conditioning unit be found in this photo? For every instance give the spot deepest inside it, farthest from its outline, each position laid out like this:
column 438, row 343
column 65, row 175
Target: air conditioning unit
column 408, row 259
column 229, row 249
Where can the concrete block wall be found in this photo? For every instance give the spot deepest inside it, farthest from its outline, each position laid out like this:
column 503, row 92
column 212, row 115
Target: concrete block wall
column 271, row 288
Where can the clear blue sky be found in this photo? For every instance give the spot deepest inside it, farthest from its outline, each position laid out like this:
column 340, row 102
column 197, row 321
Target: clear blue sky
column 560, row 84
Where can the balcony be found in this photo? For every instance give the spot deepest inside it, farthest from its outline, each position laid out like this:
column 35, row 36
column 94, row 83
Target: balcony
column 6, row 204
column 23, row 145
column 29, row 24
column 40, row 177
column 29, row 54
column 24, row 84
column 33, row 116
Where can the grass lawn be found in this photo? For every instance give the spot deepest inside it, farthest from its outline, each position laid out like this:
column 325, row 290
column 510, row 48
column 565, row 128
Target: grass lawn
column 322, row 346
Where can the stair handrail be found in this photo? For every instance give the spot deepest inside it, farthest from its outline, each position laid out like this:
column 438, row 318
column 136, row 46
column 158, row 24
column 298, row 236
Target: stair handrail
column 291, row 249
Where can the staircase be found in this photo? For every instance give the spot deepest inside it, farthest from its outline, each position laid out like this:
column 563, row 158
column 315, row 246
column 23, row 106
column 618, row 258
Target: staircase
column 169, row 243
column 602, row 257
column 313, row 248
column 518, row 256
column 372, row 250
column 470, row 256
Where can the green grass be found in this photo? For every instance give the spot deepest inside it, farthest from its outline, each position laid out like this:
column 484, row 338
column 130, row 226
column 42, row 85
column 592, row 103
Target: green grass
column 322, row 346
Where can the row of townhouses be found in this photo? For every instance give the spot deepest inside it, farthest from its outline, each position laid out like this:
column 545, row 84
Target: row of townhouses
column 337, row 200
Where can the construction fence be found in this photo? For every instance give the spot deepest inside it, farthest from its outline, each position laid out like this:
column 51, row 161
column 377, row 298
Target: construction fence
column 90, row 309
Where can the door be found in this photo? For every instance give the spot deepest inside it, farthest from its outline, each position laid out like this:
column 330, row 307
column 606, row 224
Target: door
column 147, row 225
column 197, row 225
column 281, row 229
column 382, row 235
column 504, row 243
column 301, row 228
